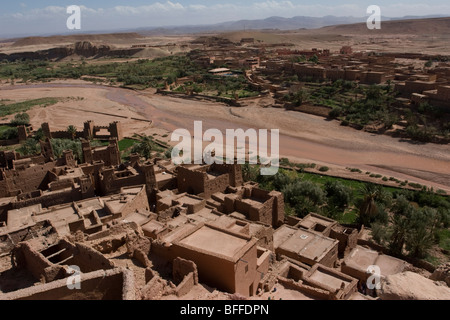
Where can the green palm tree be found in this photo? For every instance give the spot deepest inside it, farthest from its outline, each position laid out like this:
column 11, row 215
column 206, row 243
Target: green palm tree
column 418, row 242
column 400, row 229
column 72, row 131
column 369, row 208
column 144, row 146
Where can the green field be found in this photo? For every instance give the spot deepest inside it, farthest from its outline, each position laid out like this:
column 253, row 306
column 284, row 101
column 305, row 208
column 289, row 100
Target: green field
column 7, row 109
column 137, row 75
column 126, row 144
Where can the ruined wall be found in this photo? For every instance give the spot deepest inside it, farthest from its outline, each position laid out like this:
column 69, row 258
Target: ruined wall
column 264, row 213
column 116, row 284
column 234, row 172
column 218, row 184
column 26, row 257
column 26, row 180
column 89, row 259
column 264, row 236
column 48, row 200
column 185, row 275
column 341, row 293
column 347, row 237
column 190, row 181
column 278, row 208
column 111, row 183
column 140, row 202
column 269, row 212
column 308, row 290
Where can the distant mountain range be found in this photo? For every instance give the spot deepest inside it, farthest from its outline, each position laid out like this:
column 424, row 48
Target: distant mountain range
column 271, row 23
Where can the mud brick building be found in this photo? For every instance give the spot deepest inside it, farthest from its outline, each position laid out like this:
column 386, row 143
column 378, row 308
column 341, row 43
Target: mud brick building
column 206, row 180
column 90, row 131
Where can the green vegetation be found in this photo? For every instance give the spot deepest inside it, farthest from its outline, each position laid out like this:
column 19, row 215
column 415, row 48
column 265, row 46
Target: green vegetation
column 29, row 148
column 220, row 86
column 355, row 170
column 7, row 109
column 8, row 133
column 21, row 119
column 72, row 130
column 374, row 107
column 405, row 221
column 60, row 145
column 32, row 147
column 139, row 74
column 125, row 144
column 145, row 145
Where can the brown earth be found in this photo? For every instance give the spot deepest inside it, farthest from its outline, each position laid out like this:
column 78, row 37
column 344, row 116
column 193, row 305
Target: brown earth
column 410, row 26
column 303, row 137
column 56, row 40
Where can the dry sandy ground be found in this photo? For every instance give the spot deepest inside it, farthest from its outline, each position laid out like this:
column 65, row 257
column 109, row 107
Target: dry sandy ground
column 361, row 39
column 78, row 106
column 303, row 137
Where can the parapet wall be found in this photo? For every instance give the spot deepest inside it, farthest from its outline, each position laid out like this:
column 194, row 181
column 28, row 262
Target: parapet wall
column 115, row 284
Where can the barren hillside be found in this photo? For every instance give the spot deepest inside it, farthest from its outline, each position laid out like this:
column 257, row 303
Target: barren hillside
column 57, row 40
column 415, row 26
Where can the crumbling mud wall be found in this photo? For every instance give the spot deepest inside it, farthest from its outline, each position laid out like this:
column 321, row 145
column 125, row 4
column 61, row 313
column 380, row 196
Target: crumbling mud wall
column 114, row 284
column 185, row 275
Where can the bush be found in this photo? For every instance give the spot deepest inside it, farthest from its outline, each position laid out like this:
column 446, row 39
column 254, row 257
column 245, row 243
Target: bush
column 60, row 145
column 9, row 134
column 285, row 162
column 335, row 113
column 324, row 169
column 21, row 119
column 338, row 194
column 304, row 196
column 29, row 148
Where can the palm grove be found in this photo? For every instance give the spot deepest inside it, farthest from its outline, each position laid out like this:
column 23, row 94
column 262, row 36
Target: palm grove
column 404, row 221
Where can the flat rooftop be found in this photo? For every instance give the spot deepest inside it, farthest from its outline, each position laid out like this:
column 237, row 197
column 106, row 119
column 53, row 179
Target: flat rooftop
column 303, row 242
column 254, row 202
column 311, row 220
column 214, row 241
column 163, row 176
column 329, row 278
column 219, row 70
column 361, row 258
column 189, row 200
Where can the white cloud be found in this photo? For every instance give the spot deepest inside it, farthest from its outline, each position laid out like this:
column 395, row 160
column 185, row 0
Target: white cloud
column 166, row 13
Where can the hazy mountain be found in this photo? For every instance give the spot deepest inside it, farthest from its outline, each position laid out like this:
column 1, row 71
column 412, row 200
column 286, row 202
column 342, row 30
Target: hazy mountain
column 428, row 26
column 280, row 23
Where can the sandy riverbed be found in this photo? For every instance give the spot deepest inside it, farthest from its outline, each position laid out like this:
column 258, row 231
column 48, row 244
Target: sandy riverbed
column 303, row 137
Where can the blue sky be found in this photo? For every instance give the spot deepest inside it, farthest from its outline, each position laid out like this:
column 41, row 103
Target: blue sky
column 46, row 16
